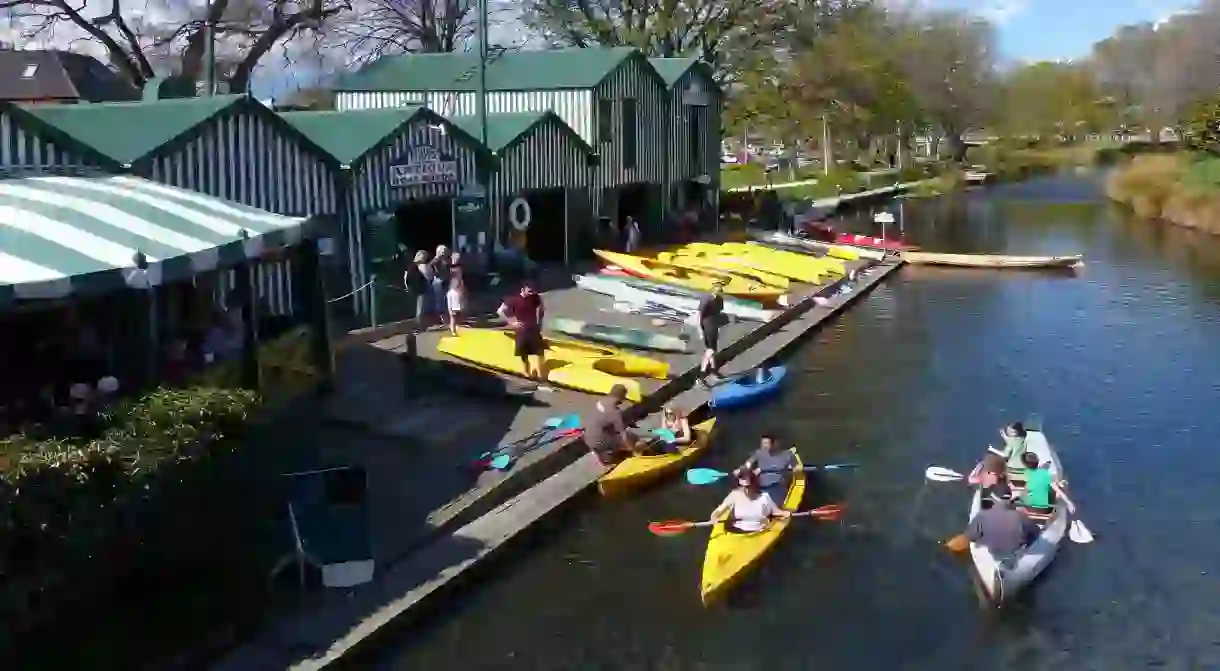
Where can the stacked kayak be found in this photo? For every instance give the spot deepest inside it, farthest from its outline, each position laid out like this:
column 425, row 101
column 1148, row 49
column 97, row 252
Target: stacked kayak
column 748, row 388
column 739, row 255
column 731, row 556
column 724, row 264
column 830, row 265
column 618, row 335
column 806, row 245
column 636, row 290
column 635, row 473
column 576, row 365
column 699, row 280
column 876, row 243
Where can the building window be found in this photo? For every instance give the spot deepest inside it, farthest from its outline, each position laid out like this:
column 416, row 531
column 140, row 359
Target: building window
column 694, row 130
column 629, row 131
column 605, row 120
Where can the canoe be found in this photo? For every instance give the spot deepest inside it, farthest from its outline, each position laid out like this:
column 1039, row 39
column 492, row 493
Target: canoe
column 724, row 264
column 698, row 280
column 873, row 242
column 793, row 242
column 618, row 335
column 740, row 255
column 641, row 291
column 993, row 260
column 1003, row 582
column 635, row 473
column 576, row 365
column 731, row 556
column 746, row 389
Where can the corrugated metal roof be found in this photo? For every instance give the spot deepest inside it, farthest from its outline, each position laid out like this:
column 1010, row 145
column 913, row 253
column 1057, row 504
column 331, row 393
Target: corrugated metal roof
column 64, row 235
column 505, row 130
column 128, row 131
column 509, row 71
column 349, row 136
column 673, row 69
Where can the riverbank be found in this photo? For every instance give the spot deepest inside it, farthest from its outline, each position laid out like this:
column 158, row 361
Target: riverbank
column 341, row 623
column 1182, row 189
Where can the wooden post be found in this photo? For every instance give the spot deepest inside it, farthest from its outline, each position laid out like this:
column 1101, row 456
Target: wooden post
column 315, row 311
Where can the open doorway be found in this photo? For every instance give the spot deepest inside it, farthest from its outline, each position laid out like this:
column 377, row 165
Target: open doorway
column 633, row 201
column 546, row 237
column 425, row 223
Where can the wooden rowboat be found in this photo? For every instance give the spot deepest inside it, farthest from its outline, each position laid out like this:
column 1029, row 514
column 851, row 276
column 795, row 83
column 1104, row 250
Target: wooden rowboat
column 992, row 260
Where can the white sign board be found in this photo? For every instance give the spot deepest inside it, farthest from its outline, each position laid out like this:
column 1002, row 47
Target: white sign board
column 423, row 165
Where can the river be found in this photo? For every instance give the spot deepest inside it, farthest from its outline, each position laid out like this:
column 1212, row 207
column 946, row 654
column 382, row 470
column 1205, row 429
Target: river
column 1123, row 364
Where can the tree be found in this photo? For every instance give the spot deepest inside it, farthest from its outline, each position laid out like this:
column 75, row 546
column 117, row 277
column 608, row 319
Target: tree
column 387, row 27
column 1050, row 100
column 138, row 46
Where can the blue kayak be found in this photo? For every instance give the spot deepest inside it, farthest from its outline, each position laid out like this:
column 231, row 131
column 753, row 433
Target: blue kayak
column 746, row 388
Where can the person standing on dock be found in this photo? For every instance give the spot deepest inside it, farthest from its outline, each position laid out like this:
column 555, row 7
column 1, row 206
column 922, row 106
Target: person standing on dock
column 524, row 313
column 633, row 234
column 711, row 315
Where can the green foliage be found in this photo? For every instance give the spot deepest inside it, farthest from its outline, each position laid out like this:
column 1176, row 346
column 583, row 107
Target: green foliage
column 1203, row 172
column 1201, row 131
column 1049, row 99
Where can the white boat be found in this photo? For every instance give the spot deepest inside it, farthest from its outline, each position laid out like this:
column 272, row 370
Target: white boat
column 796, row 243
column 642, row 292
column 1002, row 581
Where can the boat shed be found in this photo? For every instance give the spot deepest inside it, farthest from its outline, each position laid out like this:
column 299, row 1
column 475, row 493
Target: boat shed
column 611, row 97
column 29, row 145
column 402, row 173
column 696, row 102
column 229, row 147
column 538, row 196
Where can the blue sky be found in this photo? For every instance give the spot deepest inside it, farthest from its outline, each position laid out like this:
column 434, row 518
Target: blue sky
column 1061, row 29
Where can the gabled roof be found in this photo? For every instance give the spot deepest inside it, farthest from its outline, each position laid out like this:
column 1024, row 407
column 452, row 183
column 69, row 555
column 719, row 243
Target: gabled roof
column 129, row 131
column 506, row 130
column 35, row 75
column 509, row 71
column 672, row 70
column 351, row 135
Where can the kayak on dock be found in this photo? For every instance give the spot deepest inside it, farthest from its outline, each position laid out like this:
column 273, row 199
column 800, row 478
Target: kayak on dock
column 699, row 280
column 641, row 291
column 636, row 472
column 810, row 273
column 826, row 233
column 808, row 246
column 724, row 264
column 748, row 388
column 619, row 335
column 993, row 260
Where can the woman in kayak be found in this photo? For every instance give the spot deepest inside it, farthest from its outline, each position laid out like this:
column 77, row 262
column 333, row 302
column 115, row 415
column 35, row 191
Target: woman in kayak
column 676, row 421
column 748, row 508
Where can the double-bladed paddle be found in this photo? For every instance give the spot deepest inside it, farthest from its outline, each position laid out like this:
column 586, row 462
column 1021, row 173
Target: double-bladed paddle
column 830, row 513
column 707, row 476
column 551, row 424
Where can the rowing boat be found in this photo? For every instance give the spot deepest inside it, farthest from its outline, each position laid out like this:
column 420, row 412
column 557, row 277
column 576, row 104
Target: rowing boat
column 873, row 242
column 635, row 473
column 724, row 264
column 993, row 260
column 699, row 280
column 1001, row 581
column 640, row 291
column 618, row 335
column 738, row 253
column 806, row 245
column 731, row 556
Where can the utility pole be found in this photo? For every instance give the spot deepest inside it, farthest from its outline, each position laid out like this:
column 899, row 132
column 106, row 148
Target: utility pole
column 483, row 53
column 209, row 57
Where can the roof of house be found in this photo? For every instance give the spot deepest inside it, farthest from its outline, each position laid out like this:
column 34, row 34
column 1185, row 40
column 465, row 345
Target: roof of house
column 508, row 71
column 129, row 131
column 506, row 130
column 672, row 70
column 350, row 135
column 30, row 75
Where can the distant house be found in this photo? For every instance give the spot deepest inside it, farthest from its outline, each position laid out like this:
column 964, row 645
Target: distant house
column 59, row 76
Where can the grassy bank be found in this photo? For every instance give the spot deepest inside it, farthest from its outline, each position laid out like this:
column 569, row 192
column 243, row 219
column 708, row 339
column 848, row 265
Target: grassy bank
column 1181, row 188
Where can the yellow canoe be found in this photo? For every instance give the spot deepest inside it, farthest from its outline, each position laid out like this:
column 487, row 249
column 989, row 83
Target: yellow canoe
column 808, row 273
column 731, row 556
column 699, row 280
column 635, row 473
column 757, row 249
column 724, row 264
column 577, row 365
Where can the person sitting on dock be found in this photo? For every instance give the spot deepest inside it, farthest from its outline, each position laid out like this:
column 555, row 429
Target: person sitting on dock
column 1002, row 528
column 747, row 508
column 1042, row 488
column 771, row 463
column 606, row 434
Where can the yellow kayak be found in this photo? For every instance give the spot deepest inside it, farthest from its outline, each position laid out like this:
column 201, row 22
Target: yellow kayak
column 754, row 250
column 635, row 473
column 724, row 264
column 808, row 273
column 731, row 556
column 699, row 280
column 577, row 365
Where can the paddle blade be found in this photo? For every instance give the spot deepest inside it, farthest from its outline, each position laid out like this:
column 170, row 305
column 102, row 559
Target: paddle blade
column 959, row 543
column 941, row 474
column 704, row 476
column 669, row 528
column 552, row 422
column 568, row 422
column 835, row 467
column 1079, row 533
column 830, row 513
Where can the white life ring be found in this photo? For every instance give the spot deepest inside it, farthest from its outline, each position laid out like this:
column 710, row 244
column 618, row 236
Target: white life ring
column 519, row 214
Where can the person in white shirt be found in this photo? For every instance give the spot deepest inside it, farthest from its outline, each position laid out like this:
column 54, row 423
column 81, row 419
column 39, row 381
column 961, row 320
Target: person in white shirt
column 748, row 508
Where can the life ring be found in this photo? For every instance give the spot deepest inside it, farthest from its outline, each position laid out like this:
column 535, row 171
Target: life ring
column 519, row 214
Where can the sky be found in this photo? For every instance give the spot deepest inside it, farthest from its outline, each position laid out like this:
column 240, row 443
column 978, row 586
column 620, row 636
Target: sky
column 1034, row 30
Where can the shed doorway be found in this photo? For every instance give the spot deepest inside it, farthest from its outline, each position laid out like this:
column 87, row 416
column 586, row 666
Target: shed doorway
column 425, row 223
column 546, row 238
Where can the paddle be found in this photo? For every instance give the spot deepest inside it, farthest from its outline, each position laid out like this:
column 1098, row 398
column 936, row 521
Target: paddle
column 707, row 476
column 668, row 528
column 506, row 459
column 550, row 424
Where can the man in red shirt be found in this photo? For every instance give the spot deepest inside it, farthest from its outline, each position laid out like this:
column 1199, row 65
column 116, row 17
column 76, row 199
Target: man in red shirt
column 524, row 313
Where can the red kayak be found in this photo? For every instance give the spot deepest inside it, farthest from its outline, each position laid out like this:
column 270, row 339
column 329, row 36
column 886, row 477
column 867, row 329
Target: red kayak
column 875, row 243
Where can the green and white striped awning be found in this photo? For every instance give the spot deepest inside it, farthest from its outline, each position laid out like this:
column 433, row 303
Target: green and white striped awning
column 66, row 235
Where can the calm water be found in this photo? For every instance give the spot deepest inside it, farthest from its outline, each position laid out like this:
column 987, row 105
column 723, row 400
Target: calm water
column 1123, row 362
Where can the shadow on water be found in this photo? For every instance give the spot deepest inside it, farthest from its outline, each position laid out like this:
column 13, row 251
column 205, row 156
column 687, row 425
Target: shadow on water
column 1121, row 362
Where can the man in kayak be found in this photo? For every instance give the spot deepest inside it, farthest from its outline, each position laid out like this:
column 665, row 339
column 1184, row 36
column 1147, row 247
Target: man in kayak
column 524, row 312
column 1002, row 528
column 711, row 315
column 771, row 463
column 1042, row 488
column 747, row 508
column 605, row 432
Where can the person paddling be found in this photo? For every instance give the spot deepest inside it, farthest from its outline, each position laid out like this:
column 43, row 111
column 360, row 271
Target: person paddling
column 1002, row 528
column 747, row 508
column 772, row 464
column 1042, row 488
column 991, row 473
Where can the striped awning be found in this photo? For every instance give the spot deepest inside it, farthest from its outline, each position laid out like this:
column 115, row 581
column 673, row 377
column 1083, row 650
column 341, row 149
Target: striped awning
column 67, row 235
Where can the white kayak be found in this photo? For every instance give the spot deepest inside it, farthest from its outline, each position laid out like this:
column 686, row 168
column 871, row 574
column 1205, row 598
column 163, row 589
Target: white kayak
column 629, row 290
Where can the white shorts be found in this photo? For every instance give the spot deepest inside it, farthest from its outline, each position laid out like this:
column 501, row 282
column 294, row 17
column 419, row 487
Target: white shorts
column 454, row 300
